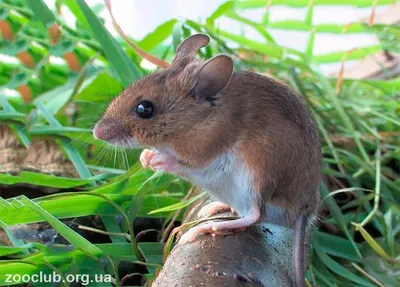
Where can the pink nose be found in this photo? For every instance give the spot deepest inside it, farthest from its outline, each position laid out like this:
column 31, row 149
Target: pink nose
column 108, row 131
column 98, row 132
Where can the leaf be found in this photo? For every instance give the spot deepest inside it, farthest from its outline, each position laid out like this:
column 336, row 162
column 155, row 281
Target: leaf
column 268, row 49
column 62, row 47
column 78, row 205
column 336, row 246
column 251, row 4
column 158, row 35
column 51, row 130
column 258, row 27
column 75, row 9
column 220, row 11
column 310, row 12
column 371, row 241
column 337, row 268
column 338, row 216
column 310, row 44
column 125, row 68
column 41, row 12
column 177, row 34
column 74, row 238
column 17, row 80
column 13, row 48
column 15, row 116
column 179, row 205
column 357, row 54
column 55, row 99
column 39, row 179
column 20, row 128
column 101, row 89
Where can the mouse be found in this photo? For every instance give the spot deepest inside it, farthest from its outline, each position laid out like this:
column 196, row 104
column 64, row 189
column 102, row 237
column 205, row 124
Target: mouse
column 246, row 138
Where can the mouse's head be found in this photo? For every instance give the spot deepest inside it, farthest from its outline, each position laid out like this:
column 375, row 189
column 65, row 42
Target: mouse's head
column 156, row 108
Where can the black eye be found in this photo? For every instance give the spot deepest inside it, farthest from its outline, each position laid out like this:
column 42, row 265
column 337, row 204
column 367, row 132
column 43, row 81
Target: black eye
column 144, row 109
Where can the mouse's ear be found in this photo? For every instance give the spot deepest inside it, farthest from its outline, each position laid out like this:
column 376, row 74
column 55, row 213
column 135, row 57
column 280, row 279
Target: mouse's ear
column 212, row 78
column 189, row 47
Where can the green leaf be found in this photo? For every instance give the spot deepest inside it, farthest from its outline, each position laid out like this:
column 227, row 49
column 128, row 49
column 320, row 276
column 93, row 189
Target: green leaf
column 39, row 179
column 14, row 116
column 123, row 65
column 75, row 9
column 78, row 205
column 54, row 100
column 179, row 205
column 371, row 241
column 157, row 36
column 268, row 49
column 51, row 130
column 338, row 268
column 355, row 55
column 310, row 13
column 62, row 47
column 17, row 80
column 41, row 12
column 103, row 88
column 177, row 34
column 220, row 11
column 251, row 4
column 338, row 216
column 336, row 246
column 13, row 48
column 22, row 134
column 74, row 238
column 310, row 44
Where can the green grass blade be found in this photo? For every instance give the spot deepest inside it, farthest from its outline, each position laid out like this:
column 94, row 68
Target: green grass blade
column 338, row 217
column 179, row 205
column 41, row 12
column 74, row 238
column 251, row 4
column 123, row 65
column 338, row 268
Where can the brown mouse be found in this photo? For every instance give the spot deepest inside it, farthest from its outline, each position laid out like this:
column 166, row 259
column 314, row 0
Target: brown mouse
column 247, row 139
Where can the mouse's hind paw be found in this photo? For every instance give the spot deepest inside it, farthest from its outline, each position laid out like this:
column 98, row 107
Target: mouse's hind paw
column 213, row 208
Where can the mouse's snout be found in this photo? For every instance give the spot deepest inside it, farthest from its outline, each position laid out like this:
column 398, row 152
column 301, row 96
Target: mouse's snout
column 109, row 131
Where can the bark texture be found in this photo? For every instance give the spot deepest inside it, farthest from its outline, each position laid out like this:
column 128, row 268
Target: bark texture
column 261, row 255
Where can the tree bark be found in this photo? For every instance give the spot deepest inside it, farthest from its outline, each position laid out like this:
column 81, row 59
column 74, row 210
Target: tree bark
column 261, row 255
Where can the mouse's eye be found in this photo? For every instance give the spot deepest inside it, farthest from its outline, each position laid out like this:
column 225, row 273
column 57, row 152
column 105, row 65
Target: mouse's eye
column 144, row 109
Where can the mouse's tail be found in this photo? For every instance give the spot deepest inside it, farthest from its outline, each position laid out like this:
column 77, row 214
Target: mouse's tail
column 299, row 251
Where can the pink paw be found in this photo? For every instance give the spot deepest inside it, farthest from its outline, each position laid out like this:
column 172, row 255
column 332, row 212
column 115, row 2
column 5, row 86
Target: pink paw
column 146, row 156
column 164, row 162
column 194, row 232
column 214, row 229
column 213, row 208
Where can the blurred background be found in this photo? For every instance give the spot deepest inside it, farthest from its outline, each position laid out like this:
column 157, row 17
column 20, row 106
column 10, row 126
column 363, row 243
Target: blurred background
column 139, row 17
column 63, row 192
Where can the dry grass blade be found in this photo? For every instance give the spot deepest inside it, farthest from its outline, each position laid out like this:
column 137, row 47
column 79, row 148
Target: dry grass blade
column 366, row 274
column 156, row 61
column 341, row 72
column 372, row 17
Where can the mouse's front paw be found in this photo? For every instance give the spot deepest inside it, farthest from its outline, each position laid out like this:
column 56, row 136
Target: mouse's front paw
column 146, row 156
column 164, row 162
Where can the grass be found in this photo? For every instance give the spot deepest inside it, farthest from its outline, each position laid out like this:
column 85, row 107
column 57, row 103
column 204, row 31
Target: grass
column 356, row 242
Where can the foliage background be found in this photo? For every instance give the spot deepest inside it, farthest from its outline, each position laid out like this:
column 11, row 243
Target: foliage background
column 44, row 100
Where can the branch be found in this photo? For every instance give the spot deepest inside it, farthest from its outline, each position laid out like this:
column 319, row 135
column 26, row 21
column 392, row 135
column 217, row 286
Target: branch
column 261, row 255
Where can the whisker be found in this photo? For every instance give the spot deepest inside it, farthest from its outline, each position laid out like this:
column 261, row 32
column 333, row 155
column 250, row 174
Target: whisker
column 115, row 156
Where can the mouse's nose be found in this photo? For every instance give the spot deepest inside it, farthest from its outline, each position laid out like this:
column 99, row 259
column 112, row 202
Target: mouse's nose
column 108, row 131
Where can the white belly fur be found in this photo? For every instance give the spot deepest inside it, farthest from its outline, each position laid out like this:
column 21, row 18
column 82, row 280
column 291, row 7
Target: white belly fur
column 227, row 180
